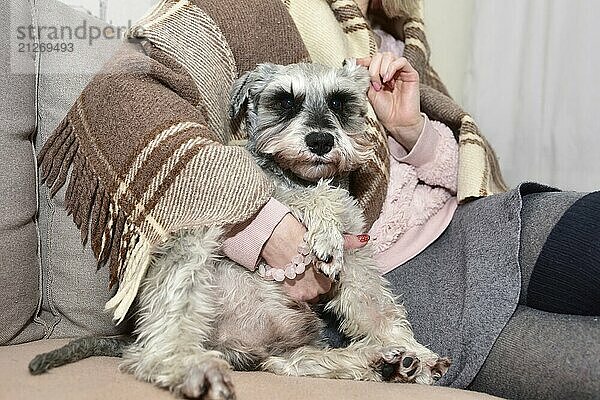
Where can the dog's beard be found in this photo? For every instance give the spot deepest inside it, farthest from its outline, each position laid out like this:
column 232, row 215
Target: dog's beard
column 294, row 156
column 310, row 167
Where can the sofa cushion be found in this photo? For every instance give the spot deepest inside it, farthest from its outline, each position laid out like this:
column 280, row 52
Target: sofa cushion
column 98, row 378
column 19, row 266
column 75, row 290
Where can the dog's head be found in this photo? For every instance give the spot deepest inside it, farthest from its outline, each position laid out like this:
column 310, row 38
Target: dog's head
column 309, row 119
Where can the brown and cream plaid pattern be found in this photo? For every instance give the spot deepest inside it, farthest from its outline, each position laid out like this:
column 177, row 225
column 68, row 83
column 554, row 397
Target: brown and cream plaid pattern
column 145, row 141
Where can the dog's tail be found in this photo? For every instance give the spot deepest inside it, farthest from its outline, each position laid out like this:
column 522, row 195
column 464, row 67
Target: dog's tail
column 79, row 349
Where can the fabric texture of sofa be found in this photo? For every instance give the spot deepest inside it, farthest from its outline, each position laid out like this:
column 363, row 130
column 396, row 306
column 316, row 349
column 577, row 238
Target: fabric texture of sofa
column 51, row 288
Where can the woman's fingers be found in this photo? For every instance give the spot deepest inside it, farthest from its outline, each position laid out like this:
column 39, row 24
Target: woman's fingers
column 401, row 67
column 384, row 68
column 386, row 60
column 374, row 71
column 355, row 241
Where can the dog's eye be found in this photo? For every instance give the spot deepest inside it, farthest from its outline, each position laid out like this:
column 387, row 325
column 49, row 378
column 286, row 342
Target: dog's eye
column 287, row 102
column 336, row 104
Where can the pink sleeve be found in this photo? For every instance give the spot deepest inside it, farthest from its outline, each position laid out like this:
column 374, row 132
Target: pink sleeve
column 434, row 156
column 245, row 246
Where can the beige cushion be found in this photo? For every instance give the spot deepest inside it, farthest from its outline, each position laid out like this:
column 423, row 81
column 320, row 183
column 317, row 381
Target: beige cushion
column 99, row 379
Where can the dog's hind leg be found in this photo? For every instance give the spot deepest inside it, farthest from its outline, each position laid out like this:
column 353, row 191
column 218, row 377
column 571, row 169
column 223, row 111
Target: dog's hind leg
column 359, row 361
column 177, row 306
column 370, row 313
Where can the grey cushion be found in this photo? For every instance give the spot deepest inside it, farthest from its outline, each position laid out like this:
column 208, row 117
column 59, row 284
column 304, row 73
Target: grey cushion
column 19, row 266
column 75, row 289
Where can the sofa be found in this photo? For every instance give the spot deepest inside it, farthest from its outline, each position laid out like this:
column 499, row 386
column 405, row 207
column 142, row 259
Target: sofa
column 51, row 287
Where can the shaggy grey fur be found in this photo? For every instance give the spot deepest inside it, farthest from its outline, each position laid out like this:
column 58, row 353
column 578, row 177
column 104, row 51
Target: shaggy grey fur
column 201, row 314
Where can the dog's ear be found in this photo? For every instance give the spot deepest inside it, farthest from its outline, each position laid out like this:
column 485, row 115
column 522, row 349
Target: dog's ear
column 248, row 86
column 355, row 72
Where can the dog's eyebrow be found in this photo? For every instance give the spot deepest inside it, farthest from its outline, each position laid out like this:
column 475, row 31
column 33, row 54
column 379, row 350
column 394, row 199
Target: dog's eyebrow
column 343, row 94
column 281, row 90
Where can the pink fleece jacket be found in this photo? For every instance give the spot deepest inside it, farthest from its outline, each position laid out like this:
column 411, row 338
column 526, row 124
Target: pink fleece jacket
column 419, row 205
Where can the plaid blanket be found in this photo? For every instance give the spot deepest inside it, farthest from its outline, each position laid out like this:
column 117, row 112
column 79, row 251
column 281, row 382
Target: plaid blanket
column 150, row 150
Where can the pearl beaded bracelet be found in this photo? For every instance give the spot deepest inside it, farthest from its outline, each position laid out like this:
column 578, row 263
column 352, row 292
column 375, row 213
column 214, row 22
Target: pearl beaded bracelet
column 296, row 267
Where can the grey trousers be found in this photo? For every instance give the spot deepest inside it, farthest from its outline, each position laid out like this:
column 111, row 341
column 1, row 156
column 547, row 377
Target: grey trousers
column 542, row 355
column 537, row 355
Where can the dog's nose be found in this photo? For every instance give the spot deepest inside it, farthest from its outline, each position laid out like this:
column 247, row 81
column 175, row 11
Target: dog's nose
column 319, row 143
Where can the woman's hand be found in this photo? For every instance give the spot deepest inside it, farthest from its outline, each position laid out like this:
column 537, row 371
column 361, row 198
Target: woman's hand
column 282, row 247
column 394, row 95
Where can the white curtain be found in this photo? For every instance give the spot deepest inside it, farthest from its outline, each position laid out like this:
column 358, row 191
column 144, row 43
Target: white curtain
column 533, row 85
column 117, row 12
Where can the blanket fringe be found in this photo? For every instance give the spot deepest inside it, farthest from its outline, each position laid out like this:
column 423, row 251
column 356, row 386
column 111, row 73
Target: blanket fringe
column 137, row 256
column 114, row 240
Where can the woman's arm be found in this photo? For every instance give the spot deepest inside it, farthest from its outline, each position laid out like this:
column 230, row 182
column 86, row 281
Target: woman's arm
column 274, row 234
column 427, row 145
column 434, row 155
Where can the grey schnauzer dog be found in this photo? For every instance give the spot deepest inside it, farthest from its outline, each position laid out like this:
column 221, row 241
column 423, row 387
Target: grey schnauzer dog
column 200, row 314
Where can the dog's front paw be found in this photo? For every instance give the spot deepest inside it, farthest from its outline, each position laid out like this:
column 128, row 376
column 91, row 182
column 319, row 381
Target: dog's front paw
column 328, row 252
column 331, row 267
column 208, row 381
